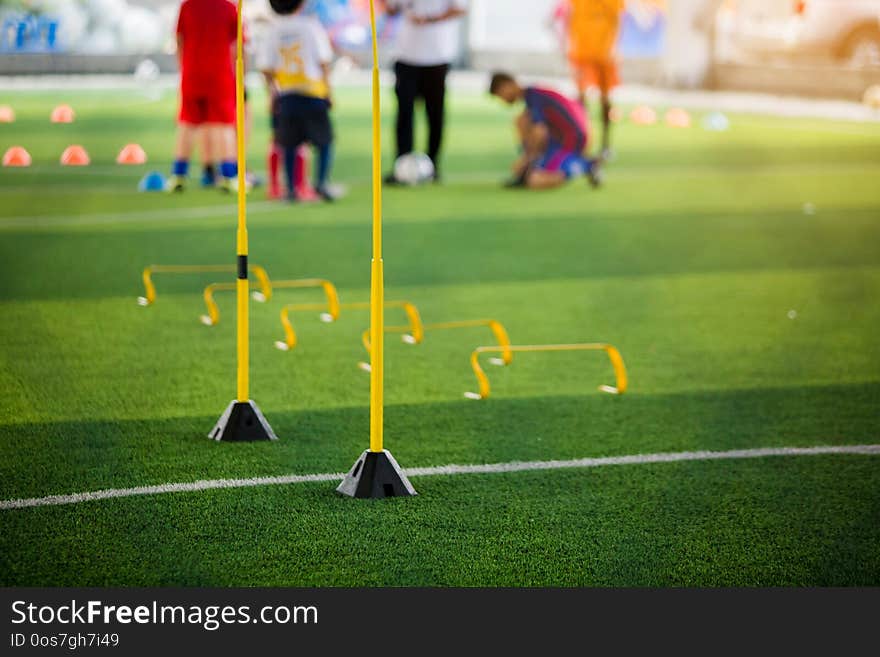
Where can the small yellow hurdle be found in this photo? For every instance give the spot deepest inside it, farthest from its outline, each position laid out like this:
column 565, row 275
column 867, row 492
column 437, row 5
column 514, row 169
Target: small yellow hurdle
column 613, row 354
column 149, row 298
column 264, row 293
column 411, row 336
column 332, row 313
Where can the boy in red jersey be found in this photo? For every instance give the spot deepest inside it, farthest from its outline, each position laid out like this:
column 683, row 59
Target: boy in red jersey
column 206, row 34
column 553, row 134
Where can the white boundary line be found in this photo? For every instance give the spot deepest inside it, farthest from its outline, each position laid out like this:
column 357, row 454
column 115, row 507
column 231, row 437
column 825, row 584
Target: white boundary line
column 170, row 214
column 442, row 470
column 174, row 214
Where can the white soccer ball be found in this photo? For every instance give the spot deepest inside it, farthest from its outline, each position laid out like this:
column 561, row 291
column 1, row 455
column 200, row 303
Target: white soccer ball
column 414, row 169
column 716, row 122
column 146, row 71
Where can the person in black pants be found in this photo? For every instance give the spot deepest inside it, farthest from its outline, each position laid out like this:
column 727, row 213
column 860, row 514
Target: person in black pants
column 426, row 46
column 429, row 84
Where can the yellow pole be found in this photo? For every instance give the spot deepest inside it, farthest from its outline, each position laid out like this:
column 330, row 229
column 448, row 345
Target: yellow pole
column 377, row 294
column 242, row 286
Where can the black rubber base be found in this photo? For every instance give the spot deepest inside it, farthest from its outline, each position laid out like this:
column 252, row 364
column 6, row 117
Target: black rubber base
column 242, row 422
column 376, row 475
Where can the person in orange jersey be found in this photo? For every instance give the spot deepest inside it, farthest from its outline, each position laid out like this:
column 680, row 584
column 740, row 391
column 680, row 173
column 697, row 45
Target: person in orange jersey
column 589, row 30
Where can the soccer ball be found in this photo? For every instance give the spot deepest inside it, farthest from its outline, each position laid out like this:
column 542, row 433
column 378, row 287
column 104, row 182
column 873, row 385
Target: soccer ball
column 716, row 122
column 146, row 71
column 872, row 97
column 414, row 169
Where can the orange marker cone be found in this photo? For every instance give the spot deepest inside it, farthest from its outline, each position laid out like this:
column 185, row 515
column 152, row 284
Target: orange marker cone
column 75, row 156
column 7, row 114
column 131, row 154
column 643, row 115
column 678, row 118
column 616, row 115
column 63, row 114
column 16, row 156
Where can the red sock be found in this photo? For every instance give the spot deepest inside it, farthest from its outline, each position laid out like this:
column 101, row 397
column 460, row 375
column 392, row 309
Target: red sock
column 301, row 173
column 274, row 166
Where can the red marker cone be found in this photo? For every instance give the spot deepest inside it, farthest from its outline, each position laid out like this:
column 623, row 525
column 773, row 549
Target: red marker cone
column 75, row 156
column 678, row 118
column 16, row 156
column 131, row 154
column 7, row 114
column 643, row 115
column 63, row 114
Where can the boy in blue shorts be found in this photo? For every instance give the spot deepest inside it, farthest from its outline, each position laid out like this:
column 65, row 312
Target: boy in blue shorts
column 295, row 57
column 553, row 134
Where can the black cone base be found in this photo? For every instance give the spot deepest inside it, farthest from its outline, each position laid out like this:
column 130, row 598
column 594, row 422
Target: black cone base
column 376, row 475
column 242, row 422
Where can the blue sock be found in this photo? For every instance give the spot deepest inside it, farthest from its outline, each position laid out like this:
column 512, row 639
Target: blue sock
column 290, row 168
column 180, row 168
column 325, row 160
column 228, row 169
column 578, row 165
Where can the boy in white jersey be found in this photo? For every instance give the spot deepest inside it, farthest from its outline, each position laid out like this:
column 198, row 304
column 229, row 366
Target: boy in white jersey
column 295, row 58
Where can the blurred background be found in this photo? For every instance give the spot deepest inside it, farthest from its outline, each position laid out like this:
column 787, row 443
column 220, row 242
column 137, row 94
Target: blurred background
column 828, row 48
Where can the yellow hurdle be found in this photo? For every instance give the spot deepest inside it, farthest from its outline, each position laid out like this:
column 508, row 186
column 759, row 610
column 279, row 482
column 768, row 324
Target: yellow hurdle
column 497, row 328
column 413, row 336
column 613, row 354
column 332, row 314
column 264, row 292
column 149, row 298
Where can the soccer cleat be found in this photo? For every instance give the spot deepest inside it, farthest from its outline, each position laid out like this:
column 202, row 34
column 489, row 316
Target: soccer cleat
column 391, row 180
column 209, row 177
column 594, row 174
column 175, row 184
column 326, row 194
column 230, row 185
column 517, row 181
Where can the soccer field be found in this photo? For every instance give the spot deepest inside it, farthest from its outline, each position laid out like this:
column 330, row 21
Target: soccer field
column 738, row 273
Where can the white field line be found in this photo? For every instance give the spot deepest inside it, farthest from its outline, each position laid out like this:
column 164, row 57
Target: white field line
column 168, row 214
column 442, row 470
column 175, row 214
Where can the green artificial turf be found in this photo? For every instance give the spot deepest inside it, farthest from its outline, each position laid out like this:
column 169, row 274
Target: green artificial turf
column 745, row 321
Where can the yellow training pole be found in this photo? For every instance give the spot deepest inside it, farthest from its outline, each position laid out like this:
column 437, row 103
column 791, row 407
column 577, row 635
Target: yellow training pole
column 376, row 474
column 242, row 419
column 377, row 294
column 242, row 286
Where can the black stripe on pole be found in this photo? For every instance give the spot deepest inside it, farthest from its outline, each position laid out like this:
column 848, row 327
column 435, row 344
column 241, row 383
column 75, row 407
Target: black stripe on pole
column 242, row 267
